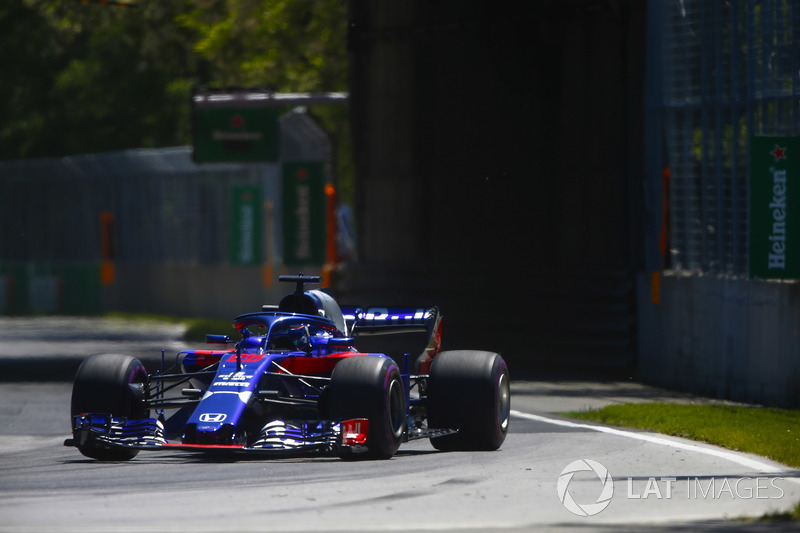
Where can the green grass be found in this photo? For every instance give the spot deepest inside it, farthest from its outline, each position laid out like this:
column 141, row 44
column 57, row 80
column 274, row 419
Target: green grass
column 196, row 328
column 772, row 433
column 792, row 515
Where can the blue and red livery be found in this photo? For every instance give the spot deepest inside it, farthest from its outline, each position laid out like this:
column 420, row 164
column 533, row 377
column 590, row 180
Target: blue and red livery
column 294, row 382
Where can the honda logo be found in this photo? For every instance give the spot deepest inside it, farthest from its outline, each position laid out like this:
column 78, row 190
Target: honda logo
column 213, row 417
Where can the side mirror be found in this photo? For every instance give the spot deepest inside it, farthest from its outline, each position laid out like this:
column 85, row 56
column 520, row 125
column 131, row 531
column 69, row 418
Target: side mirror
column 218, row 339
column 341, row 342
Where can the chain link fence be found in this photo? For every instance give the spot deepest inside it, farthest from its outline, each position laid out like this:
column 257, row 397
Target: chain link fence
column 165, row 208
column 730, row 70
column 68, row 224
column 61, row 219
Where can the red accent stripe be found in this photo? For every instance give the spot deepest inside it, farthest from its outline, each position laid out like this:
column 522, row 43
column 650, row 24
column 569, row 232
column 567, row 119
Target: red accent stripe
column 316, row 365
column 207, row 357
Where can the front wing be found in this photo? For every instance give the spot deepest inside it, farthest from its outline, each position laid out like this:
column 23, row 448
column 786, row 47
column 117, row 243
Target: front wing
column 278, row 436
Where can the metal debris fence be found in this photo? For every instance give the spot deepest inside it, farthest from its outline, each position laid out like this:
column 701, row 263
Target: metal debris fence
column 165, row 207
column 729, row 70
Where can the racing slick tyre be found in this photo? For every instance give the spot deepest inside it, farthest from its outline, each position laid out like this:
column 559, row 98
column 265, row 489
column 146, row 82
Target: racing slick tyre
column 102, row 385
column 469, row 391
column 370, row 387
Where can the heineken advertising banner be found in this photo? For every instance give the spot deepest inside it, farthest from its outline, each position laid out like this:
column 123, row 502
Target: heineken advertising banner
column 229, row 134
column 303, row 207
column 775, row 207
column 246, row 235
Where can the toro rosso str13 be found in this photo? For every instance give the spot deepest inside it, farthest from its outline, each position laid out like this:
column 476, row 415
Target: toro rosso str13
column 295, row 383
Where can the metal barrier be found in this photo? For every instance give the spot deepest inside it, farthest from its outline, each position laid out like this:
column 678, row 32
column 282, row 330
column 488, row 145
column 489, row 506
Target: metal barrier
column 165, row 207
column 66, row 222
column 719, row 73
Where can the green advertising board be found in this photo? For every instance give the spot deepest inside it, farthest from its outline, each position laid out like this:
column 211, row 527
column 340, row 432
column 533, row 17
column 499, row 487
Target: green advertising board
column 303, row 213
column 774, row 207
column 246, row 235
column 235, row 134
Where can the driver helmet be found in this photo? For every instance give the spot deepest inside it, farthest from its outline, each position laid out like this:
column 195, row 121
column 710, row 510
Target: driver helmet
column 291, row 338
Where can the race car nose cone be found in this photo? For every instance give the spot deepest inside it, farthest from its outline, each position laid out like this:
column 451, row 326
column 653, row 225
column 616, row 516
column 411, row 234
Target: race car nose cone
column 221, row 435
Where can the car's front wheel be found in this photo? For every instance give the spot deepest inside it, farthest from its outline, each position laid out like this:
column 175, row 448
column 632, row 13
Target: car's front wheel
column 103, row 386
column 370, row 387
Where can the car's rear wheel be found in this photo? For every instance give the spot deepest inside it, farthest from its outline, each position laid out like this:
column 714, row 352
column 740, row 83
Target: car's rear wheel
column 469, row 391
column 370, row 387
column 103, row 386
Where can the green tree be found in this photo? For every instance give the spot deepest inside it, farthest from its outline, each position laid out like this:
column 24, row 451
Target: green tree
column 92, row 77
column 287, row 45
column 281, row 45
column 84, row 77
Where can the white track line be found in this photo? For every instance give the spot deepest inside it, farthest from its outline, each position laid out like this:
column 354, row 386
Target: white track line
column 737, row 458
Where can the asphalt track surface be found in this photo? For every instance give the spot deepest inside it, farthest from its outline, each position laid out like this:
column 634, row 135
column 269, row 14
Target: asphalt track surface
column 659, row 483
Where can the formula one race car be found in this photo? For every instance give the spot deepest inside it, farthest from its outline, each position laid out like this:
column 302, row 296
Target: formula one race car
column 294, row 383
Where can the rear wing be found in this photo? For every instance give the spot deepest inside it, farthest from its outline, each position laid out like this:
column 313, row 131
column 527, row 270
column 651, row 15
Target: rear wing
column 392, row 320
column 388, row 320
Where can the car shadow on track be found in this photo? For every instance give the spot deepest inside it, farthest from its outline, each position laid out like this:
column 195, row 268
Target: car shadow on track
column 210, row 457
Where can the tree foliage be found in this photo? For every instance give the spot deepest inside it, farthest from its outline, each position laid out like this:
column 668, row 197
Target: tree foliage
column 288, row 45
column 85, row 77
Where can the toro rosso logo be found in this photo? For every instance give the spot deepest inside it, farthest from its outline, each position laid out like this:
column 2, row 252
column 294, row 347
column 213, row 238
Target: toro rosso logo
column 215, row 418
